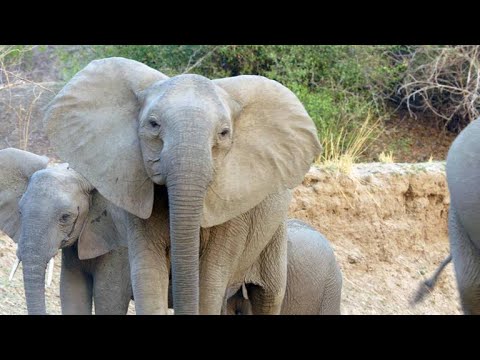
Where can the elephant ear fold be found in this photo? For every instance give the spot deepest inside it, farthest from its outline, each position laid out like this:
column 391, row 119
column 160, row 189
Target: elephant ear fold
column 274, row 144
column 16, row 168
column 93, row 124
column 99, row 234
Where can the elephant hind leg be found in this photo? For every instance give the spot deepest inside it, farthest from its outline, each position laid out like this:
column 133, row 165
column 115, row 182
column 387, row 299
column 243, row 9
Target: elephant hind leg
column 466, row 260
column 331, row 300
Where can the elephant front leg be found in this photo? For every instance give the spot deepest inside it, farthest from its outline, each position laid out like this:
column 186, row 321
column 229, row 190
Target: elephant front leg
column 111, row 283
column 270, row 277
column 214, row 276
column 75, row 286
column 217, row 263
column 149, row 269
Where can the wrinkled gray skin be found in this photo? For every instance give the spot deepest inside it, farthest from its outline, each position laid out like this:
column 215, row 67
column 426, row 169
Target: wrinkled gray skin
column 314, row 280
column 47, row 209
column 227, row 151
column 463, row 177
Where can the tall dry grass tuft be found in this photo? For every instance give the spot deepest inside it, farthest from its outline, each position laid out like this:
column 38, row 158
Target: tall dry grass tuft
column 386, row 157
column 343, row 148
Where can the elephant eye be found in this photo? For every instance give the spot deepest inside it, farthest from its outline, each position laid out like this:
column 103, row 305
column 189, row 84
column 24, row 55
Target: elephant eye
column 154, row 124
column 224, row 133
column 65, row 217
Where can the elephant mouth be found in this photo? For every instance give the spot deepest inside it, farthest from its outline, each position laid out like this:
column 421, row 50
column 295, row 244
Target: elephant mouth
column 158, row 179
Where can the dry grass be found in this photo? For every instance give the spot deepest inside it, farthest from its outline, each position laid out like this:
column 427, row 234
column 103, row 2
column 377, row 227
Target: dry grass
column 342, row 149
column 386, row 157
column 10, row 58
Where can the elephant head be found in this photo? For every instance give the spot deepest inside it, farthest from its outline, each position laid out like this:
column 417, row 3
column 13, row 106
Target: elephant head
column 220, row 146
column 46, row 209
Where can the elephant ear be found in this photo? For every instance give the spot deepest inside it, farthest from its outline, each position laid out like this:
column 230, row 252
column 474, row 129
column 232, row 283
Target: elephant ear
column 92, row 123
column 274, row 144
column 16, row 168
column 99, row 234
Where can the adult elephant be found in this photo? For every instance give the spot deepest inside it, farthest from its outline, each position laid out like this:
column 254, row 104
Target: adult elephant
column 48, row 209
column 227, row 150
column 463, row 176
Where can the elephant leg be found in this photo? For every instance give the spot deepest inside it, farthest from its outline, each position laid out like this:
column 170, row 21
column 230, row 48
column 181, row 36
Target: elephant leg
column 267, row 293
column 331, row 301
column 213, row 288
column 466, row 260
column 75, row 286
column 112, row 287
column 218, row 260
column 149, row 269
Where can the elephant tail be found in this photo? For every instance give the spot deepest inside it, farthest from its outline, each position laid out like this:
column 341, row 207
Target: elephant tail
column 427, row 286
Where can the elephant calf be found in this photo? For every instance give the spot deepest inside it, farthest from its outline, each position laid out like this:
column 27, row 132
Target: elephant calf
column 47, row 209
column 314, row 280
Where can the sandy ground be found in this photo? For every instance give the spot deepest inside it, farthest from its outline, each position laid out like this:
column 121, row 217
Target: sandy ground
column 387, row 224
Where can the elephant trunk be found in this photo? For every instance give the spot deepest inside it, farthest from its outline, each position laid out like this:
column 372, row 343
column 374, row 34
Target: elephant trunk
column 34, row 253
column 34, row 283
column 187, row 186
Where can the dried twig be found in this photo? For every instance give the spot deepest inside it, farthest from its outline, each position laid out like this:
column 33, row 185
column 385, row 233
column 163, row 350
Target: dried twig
column 444, row 81
column 199, row 61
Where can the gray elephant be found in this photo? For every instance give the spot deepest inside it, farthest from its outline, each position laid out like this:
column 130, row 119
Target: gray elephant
column 314, row 280
column 47, row 209
column 463, row 175
column 219, row 157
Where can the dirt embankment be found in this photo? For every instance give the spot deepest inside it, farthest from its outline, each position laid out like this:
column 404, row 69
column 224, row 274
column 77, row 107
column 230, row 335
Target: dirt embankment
column 386, row 222
column 388, row 226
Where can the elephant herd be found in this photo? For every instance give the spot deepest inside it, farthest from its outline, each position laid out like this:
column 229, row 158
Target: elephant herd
column 175, row 194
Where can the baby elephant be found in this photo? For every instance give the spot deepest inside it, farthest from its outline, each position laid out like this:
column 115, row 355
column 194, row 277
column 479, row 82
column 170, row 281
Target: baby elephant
column 47, row 209
column 314, row 280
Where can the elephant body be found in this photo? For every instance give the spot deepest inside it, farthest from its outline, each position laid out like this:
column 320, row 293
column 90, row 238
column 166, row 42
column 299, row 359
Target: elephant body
column 463, row 174
column 239, row 242
column 48, row 209
column 204, row 170
column 314, row 279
